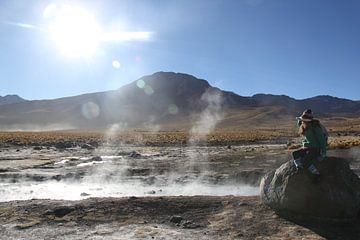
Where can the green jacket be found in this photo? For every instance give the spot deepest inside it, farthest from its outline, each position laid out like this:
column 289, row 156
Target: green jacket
column 314, row 137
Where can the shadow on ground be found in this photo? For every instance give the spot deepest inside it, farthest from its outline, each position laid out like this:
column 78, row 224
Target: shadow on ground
column 329, row 229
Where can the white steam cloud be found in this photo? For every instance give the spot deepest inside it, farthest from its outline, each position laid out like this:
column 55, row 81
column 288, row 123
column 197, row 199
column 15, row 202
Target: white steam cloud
column 111, row 136
column 209, row 117
column 205, row 124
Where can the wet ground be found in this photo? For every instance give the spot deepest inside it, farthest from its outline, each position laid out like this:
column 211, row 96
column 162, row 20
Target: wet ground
column 135, row 171
column 212, row 190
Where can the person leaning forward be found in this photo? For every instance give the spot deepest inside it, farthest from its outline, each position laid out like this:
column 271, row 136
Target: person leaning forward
column 313, row 144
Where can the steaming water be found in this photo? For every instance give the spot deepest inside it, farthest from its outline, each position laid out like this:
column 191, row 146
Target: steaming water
column 159, row 172
column 76, row 191
column 156, row 172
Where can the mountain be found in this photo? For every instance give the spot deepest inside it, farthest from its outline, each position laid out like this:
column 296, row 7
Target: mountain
column 320, row 104
column 9, row 99
column 166, row 99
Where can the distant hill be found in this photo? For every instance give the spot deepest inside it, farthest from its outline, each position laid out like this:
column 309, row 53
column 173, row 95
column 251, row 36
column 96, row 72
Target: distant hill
column 319, row 104
column 166, row 99
column 9, row 99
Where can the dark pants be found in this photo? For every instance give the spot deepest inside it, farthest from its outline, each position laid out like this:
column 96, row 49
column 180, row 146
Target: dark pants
column 308, row 156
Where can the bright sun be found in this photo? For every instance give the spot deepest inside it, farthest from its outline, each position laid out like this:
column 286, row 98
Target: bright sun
column 74, row 30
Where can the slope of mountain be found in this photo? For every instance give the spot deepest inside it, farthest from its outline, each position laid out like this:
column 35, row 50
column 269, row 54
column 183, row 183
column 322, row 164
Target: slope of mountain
column 165, row 98
column 9, row 99
column 323, row 105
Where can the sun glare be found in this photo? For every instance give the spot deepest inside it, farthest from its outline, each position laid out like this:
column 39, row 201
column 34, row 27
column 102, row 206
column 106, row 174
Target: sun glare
column 74, row 30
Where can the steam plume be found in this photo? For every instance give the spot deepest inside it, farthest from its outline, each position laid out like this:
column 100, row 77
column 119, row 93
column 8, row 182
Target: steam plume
column 209, row 117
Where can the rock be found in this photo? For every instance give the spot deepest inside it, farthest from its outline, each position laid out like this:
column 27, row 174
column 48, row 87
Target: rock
column 229, row 147
column 95, row 144
column 151, row 192
column 63, row 145
column 87, row 146
column 84, row 194
column 60, row 211
column 138, row 171
column 335, row 196
column 176, row 219
column 8, row 169
column 96, row 159
column 57, row 177
column 74, row 175
column 37, row 148
column 134, row 154
column 190, row 225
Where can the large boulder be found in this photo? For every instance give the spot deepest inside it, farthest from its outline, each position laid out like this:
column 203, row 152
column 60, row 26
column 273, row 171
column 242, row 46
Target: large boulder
column 336, row 195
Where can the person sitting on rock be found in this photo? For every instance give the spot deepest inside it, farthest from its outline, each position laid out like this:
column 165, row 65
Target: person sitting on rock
column 313, row 145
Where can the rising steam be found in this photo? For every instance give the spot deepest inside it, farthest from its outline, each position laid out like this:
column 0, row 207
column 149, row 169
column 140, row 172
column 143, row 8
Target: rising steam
column 209, row 117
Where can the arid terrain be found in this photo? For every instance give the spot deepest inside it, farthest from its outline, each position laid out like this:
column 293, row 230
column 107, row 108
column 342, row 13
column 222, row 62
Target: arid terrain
column 171, row 119
column 145, row 185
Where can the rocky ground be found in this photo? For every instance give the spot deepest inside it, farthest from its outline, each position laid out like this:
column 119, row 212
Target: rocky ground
column 200, row 217
column 197, row 217
column 132, row 191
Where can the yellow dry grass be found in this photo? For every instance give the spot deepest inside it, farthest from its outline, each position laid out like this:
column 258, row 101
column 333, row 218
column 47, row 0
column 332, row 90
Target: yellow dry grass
column 344, row 142
column 137, row 137
column 40, row 138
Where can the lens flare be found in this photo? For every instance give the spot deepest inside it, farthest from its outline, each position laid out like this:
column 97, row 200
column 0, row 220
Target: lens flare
column 116, row 64
column 90, row 110
column 138, row 59
column 148, row 90
column 173, row 109
column 140, row 83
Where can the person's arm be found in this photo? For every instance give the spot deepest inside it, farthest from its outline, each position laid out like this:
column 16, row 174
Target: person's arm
column 306, row 141
column 321, row 139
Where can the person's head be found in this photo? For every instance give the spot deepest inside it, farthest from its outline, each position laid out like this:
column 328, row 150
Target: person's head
column 305, row 120
column 306, row 116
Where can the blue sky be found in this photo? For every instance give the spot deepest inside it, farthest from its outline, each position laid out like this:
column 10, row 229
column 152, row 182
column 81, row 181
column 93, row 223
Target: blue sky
column 300, row 48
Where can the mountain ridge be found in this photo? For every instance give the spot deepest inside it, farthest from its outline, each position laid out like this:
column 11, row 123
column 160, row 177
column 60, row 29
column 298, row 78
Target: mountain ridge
column 165, row 98
column 10, row 99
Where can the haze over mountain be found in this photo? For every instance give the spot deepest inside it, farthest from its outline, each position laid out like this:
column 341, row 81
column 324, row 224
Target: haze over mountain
column 165, row 100
column 8, row 99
